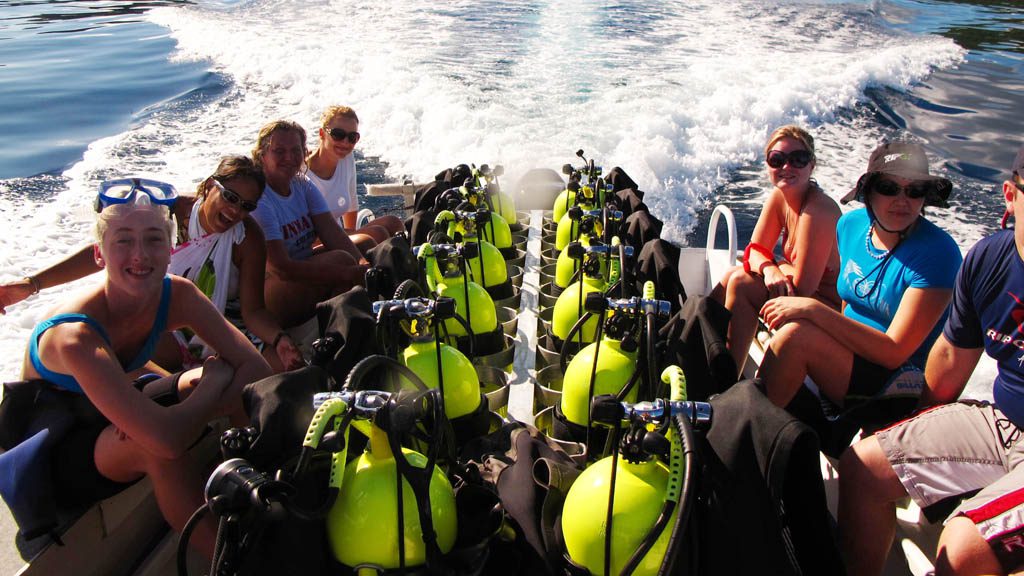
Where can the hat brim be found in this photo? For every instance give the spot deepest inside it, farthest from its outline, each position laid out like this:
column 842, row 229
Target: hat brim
column 937, row 196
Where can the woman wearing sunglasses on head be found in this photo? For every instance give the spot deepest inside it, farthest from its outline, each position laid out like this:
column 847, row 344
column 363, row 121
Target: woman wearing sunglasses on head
column 799, row 213
column 98, row 342
column 293, row 215
column 332, row 167
column 896, row 280
column 222, row 250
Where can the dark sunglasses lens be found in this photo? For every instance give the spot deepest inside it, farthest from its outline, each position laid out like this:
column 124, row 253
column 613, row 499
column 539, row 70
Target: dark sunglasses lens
column 339, row 134
column 799, row 158
column 917, row 191
column 776, row 159
column 233, row 197
column 887, row 188
column 796, row 159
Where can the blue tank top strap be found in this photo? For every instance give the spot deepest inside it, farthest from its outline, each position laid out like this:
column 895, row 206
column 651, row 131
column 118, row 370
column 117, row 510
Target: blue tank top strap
column 65, row 381
column 159, row 324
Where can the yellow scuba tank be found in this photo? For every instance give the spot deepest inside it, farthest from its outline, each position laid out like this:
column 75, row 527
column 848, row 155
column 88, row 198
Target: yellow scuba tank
column 568, row 309
column 444, row 266
column 616, row 363
column 461, row 384
column 585, row 182
column 639, row 494
column 591, row 233
column 568, row 229
column 456, row 377
column 357, row 525
column 363, row 530
column 488, row 267
column 569, row 305
column 499, row 202
column 641, row 491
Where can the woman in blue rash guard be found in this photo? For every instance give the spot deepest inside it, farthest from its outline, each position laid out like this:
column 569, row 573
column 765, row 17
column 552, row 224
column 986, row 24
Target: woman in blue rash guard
column 99, row 341
column 896, row 278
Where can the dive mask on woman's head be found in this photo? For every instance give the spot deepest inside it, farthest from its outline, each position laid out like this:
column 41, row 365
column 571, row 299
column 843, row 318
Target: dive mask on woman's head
column 125, row 190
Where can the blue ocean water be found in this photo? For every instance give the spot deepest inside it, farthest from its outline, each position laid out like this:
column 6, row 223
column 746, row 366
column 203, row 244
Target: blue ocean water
column 681, row 95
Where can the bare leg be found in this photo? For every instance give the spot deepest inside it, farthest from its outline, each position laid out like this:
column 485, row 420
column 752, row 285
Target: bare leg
column 373, row 230
column 744, row 296
column 363, row 241
column 868, row 490
column 293, row 303
column 390, row 224
column 801, row 348
column 177, row 483
column 963, row 551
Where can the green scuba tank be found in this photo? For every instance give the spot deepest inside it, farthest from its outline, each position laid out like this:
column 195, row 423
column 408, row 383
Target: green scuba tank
column 615, row 366
column 362, row 524
column 591, row 232
column 478, row 309
column 568, row 306
column 568, row 229
column 643, row 495
column 639, row 493
column 497, row 231
column 499, row 202
column 584, row 182
column 461, row 384
column 418, row 318
column 566, row 199
column 488, row 267
column 444, row 269
column 494, row 228
column 357, row 525
column 566, row 266
column 568, row 310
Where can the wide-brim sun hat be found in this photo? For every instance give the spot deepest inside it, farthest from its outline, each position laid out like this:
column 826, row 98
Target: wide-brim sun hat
column 904, row 160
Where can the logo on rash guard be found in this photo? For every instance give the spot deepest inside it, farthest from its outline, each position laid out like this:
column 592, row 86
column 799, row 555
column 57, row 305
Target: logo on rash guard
column 1017, row 315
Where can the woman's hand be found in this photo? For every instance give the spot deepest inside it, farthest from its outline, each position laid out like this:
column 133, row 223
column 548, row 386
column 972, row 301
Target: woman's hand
column 777, row 283
column 215, row 381
column 288, row 353
column 779, row 311
column 14, row 292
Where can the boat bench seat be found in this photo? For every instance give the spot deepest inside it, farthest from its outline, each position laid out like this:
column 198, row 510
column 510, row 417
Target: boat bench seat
column 114, row 536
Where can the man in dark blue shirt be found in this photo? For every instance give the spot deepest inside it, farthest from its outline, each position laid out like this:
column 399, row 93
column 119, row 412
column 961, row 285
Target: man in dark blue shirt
column 955, row 450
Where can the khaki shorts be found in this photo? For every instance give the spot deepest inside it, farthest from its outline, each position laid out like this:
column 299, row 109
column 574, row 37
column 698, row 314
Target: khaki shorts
column 963, row 450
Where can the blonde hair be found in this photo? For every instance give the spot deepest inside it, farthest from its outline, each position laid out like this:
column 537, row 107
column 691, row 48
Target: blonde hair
column 141, row 202
column 791, row 131
column 263, row 138
column 331, row 112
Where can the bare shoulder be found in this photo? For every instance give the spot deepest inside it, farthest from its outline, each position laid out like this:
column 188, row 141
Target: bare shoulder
column 823, row 206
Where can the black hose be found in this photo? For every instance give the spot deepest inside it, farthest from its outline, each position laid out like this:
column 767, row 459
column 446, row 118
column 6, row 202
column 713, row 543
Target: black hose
column 360, row 370
column 186, row 536
column 609, row 513
column 686, row 495
column 563, row 354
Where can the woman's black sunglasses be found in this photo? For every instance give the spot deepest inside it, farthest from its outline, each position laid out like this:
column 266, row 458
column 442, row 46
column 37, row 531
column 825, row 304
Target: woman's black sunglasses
column 797, row 158
column 232, row 197
column 890, row 188
column 339, row 134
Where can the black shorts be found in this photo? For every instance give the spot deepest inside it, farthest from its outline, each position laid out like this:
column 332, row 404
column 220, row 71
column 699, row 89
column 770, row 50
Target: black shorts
column 878, row 396
column 76, row 480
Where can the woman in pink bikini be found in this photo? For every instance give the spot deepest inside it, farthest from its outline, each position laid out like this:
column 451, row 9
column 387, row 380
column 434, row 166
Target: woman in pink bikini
column 803, row 217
